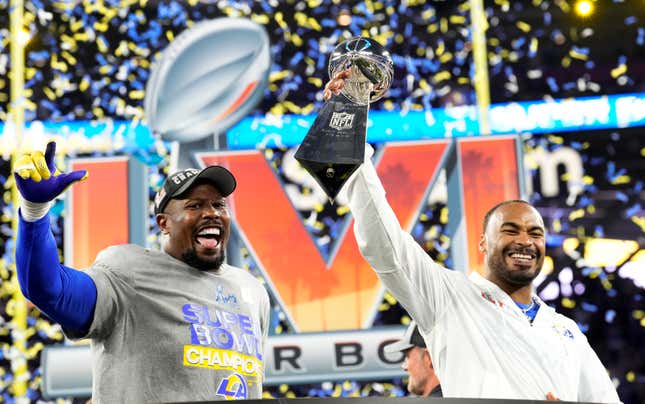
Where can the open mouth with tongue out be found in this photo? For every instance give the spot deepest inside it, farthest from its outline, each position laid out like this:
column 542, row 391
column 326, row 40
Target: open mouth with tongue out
column 209, row 237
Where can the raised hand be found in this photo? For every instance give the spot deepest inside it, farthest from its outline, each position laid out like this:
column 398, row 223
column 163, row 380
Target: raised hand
column 336, row 84
column 37, row 178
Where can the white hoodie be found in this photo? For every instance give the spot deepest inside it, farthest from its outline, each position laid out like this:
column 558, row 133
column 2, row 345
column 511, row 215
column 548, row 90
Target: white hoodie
column 481, row 344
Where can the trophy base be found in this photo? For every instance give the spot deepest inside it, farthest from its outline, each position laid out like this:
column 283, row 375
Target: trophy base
column 334, row 146
column 331, row 177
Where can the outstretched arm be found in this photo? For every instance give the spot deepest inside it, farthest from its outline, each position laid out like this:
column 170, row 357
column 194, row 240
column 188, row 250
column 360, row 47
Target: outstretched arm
column 66, row 295
column 421, row 285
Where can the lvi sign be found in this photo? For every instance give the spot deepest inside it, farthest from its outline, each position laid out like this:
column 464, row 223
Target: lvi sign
column 318, row 295
column 338, row 293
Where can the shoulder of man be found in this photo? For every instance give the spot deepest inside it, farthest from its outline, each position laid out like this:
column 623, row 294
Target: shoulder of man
column 243, row 275
column 248, row 282
column 123, row 257
column 567, row 326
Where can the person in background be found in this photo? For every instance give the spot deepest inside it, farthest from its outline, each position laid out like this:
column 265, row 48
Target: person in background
column 422, row 380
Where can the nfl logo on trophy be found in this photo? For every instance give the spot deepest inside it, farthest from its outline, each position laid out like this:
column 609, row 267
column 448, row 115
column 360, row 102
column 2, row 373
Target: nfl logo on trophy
column 341, row 120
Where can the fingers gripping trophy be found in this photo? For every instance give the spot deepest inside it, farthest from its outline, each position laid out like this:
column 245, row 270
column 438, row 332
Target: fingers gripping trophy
column 334, row 147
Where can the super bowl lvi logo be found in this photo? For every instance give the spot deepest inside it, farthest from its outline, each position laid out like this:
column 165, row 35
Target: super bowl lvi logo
column 225, row 298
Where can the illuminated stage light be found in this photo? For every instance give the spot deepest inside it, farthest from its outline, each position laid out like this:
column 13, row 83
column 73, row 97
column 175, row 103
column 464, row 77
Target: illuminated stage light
column 344, row 18
column 24, row 36
column 584, row 8
column 602, row 252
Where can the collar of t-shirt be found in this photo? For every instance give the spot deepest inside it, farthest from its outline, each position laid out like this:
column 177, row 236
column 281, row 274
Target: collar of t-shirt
column 436, row 392
column 530, row 310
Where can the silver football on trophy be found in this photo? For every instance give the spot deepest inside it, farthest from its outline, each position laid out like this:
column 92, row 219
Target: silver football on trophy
column 371, row 69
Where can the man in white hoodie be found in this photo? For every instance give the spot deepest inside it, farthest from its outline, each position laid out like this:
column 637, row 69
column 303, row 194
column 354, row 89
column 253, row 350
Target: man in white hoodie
column 489, row 336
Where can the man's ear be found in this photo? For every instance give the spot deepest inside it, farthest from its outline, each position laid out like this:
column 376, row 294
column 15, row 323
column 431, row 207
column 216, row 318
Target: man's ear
column 427, row 360
column 162, row 222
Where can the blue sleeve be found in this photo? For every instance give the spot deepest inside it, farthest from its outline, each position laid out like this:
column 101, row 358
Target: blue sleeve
column 64, row 294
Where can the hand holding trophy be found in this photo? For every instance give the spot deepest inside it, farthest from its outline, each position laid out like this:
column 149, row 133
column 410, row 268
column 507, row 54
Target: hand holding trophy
column 334, row 147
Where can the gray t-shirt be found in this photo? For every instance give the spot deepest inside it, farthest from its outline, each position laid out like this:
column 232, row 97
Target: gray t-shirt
column 164, row 331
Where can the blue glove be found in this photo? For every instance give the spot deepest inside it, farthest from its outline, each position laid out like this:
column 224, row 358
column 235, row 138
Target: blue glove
column 37, row 178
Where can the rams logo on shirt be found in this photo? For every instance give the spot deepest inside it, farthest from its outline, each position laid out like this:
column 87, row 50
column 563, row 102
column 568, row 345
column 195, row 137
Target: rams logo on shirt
column 562, row 330
column 233, row 388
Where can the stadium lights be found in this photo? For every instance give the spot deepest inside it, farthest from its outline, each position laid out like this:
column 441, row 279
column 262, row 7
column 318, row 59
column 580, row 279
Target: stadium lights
column 584, row 8
column 344, row 18
column 23, row 36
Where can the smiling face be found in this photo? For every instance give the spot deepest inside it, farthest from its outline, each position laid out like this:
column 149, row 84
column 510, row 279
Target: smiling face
column 514, row 245
column 197, row 227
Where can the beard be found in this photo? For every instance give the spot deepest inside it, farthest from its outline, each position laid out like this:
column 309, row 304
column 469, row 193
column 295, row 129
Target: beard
column 191, row 258
column 497, row 264
column 415, row 387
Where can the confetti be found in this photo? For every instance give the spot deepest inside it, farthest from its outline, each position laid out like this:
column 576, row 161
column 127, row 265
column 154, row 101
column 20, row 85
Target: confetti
column 89, row 60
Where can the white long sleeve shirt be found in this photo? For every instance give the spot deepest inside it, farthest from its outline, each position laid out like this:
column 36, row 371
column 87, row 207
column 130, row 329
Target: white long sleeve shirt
column 481, row 344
